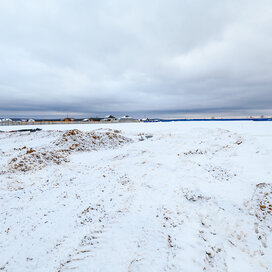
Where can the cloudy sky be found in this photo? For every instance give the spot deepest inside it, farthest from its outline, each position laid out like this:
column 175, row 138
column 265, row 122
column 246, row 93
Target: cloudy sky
column 175, row 57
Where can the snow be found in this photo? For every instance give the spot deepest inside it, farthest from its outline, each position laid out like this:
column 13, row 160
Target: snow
column 179, row 196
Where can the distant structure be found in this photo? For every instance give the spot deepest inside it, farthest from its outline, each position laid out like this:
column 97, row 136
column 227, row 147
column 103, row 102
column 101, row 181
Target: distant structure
column 68, row 119
column 109, row 118
column 5, row 121
column 126, row 118
column 95, row 119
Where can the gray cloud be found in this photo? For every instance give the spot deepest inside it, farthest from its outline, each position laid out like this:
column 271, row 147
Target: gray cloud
column 91, row 57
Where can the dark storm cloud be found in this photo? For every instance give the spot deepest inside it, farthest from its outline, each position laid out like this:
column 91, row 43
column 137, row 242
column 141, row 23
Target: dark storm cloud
column 143, row 56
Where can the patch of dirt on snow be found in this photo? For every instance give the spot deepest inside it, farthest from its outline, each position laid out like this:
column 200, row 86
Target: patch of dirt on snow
column 261, row 205
column 262, row 200
column 59, row 150
column 195, row 152
column 76, row 140
column 218, row 141
column 144, row 136
column 193, row 196
column 219, row 173
column 33, row 159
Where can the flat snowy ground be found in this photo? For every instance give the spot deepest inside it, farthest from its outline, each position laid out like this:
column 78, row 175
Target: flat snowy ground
column 180, row 196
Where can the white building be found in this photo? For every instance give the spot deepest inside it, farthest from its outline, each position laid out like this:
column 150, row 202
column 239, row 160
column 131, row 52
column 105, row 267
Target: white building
column 126, row 118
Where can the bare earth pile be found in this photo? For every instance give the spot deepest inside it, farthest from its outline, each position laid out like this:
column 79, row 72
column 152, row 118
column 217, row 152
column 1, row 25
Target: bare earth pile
column 262, row 209
column 76, row 140
column 263, row 198
column 67, row 142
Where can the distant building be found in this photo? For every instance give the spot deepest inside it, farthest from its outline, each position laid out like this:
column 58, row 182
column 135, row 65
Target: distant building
column 109, row 118
column 95, row 119
column 67, row 119
column 6, row 120
column 126, row 118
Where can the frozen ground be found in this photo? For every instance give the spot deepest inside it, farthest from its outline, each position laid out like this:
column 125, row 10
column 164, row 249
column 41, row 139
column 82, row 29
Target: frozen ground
column 183, row 196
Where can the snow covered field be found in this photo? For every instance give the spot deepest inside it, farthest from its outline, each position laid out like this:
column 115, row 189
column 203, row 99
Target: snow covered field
column 180, row 196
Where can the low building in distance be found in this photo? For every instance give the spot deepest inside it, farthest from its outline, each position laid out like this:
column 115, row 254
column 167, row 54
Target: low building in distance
column 127, row 118
column 68, row 119
column 109, row 118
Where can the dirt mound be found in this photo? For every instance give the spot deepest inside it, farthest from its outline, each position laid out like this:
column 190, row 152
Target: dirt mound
column 263, row 200
column 76, row 140
column 58, row 152
column 33, row 159
column 262, row 210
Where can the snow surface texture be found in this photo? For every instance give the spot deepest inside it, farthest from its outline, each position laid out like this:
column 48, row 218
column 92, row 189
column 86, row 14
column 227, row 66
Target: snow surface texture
column 137, row 197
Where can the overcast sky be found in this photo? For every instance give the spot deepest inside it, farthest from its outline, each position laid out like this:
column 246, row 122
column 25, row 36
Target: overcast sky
column 149, row 57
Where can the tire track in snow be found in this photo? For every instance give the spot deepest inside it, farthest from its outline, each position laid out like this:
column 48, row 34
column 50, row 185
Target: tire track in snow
column 98, row 219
